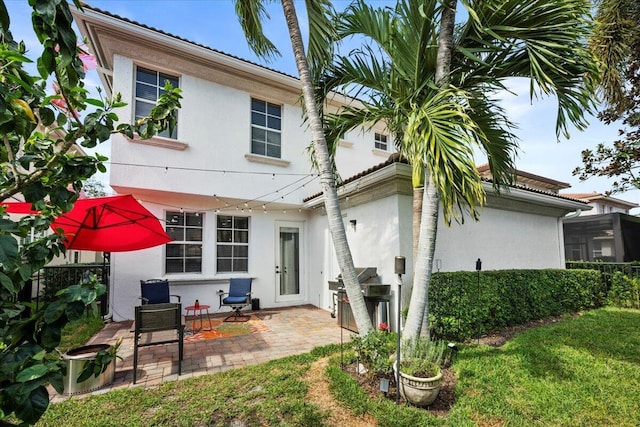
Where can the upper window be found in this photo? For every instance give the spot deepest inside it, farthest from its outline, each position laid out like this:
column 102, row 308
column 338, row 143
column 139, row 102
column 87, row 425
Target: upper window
column 149, row 87
column 380, row 141
column 184, row 253
column 232, row 238
column 266, row 125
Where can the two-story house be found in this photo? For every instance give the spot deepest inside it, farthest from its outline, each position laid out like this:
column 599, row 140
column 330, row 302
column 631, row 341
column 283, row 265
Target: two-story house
column 235, row 188
column 606, row 232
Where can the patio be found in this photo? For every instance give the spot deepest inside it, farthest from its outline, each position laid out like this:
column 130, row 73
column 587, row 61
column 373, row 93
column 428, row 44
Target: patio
column 293, row 330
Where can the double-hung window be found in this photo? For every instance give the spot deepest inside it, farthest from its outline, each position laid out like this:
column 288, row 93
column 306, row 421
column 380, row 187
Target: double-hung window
column 232, row 240
column 380, row 141
column 266, row 128
column 149, row 87
column 184, row 253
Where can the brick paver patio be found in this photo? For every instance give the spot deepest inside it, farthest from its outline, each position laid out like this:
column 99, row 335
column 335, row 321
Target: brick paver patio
column 293, row 330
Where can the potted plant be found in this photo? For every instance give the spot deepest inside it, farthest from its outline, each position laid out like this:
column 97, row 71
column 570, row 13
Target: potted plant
column 421, row 364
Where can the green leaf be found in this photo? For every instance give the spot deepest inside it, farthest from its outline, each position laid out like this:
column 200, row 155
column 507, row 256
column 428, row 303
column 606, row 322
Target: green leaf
column 46, row 116
column 95, row 102
column 54, row 311
column 32, row 408
column 8, row 252
column 32, row 373
column 7, row 283
column 4, row 18
column 51, row 336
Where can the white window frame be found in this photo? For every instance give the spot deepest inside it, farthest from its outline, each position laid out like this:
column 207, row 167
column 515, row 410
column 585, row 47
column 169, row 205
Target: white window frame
column 381, row 141
column 158, row 88
column 234, row 242
column 174, row 226
column 267, row 129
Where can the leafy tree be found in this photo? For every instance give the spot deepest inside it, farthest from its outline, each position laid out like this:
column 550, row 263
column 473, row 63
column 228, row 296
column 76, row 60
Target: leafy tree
column 616, row 42
column 433, row 83
column 94, row 188
column 320, row 14
column 37, row 131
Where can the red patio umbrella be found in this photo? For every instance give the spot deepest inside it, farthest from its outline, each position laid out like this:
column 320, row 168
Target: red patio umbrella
column 108, row 224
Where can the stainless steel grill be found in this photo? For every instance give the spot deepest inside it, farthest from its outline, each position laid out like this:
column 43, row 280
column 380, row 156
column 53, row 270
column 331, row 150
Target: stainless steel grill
column 376, row 295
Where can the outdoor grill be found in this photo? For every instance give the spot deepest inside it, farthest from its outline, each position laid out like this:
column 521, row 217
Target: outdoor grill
column 376, row 297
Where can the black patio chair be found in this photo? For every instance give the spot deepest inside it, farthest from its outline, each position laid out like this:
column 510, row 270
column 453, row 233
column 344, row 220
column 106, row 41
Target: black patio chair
column 156, row 291
column 239, row 296
column 151, row 318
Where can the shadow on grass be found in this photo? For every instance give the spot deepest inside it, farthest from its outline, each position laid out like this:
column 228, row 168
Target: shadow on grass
column 542, row 351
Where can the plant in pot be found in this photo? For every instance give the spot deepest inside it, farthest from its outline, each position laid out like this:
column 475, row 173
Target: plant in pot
column 421, row 364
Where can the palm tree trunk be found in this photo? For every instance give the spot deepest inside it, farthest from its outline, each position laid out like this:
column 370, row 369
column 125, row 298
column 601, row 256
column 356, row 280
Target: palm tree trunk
column 418, row 316
column 327, row 181
column 419, row 304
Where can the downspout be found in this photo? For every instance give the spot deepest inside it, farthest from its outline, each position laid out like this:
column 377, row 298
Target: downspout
column 572, row 214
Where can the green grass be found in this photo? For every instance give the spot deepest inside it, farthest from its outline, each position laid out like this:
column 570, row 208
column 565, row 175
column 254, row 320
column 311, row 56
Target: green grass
column 78, row 333
column 583, row 371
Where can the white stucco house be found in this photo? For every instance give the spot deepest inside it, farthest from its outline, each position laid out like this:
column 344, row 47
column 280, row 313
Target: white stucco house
column 236, row 191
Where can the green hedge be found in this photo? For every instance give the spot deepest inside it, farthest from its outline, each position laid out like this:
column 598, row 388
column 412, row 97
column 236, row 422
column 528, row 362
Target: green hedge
column 625, row 291
column 469, row 304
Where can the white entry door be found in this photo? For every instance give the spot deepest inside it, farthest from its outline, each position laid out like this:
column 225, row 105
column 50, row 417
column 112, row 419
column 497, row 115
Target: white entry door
column 289, row 244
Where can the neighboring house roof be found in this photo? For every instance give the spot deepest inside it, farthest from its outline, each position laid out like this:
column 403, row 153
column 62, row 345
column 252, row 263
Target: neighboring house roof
column 602, row 198
column 528, row 180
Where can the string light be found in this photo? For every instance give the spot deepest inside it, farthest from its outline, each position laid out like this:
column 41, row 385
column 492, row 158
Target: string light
column 247, row 203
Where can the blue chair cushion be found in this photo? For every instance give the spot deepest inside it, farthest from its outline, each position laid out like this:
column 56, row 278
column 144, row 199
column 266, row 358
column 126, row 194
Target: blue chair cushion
column 235, row 300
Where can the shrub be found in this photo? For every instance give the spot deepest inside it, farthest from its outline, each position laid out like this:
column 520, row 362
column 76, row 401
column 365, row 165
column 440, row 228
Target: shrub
column 374, row 351
column 468, row 304
column 624, row 292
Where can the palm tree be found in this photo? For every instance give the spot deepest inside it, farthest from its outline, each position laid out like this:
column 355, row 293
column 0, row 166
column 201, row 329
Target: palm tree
column 251, row 13
column 615, row 36
column 434, row 86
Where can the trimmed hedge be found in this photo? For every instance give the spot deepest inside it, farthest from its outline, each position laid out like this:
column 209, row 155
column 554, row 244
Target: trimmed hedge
column 468, row 304
column 624, row 292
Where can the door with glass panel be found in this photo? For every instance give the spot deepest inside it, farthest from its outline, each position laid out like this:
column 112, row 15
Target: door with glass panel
column 289, row 248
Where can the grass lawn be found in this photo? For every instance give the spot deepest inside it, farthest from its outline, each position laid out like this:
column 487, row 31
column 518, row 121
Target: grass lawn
column 583, row 371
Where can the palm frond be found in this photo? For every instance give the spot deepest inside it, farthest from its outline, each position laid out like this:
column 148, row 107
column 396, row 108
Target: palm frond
column 444, row 134
column 251, row 13
column 322, row 35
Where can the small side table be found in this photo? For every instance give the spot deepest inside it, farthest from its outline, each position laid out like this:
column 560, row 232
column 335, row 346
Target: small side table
column 199, row 312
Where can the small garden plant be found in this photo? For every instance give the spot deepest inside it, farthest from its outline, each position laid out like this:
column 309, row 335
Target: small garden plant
column 375, row 349
column 422, row 357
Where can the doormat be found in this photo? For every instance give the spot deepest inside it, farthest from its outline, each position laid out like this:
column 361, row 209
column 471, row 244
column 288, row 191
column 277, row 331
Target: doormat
column 221, row 329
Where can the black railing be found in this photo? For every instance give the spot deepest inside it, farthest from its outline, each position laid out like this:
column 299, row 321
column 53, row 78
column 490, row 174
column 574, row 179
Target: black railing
column 607, row 269
column 53, row 278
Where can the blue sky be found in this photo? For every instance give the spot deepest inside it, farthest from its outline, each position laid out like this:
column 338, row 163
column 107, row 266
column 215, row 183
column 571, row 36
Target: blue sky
column 213, row 23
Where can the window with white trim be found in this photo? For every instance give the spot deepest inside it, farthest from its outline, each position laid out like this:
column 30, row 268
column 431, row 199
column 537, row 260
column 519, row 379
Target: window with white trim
column 232, row 244
column 380, row 141
column 184, row 253
column 266, row 128
column 149, row 88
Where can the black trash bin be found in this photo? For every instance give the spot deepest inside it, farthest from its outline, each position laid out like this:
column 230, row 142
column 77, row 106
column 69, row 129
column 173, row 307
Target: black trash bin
column 255, row 304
